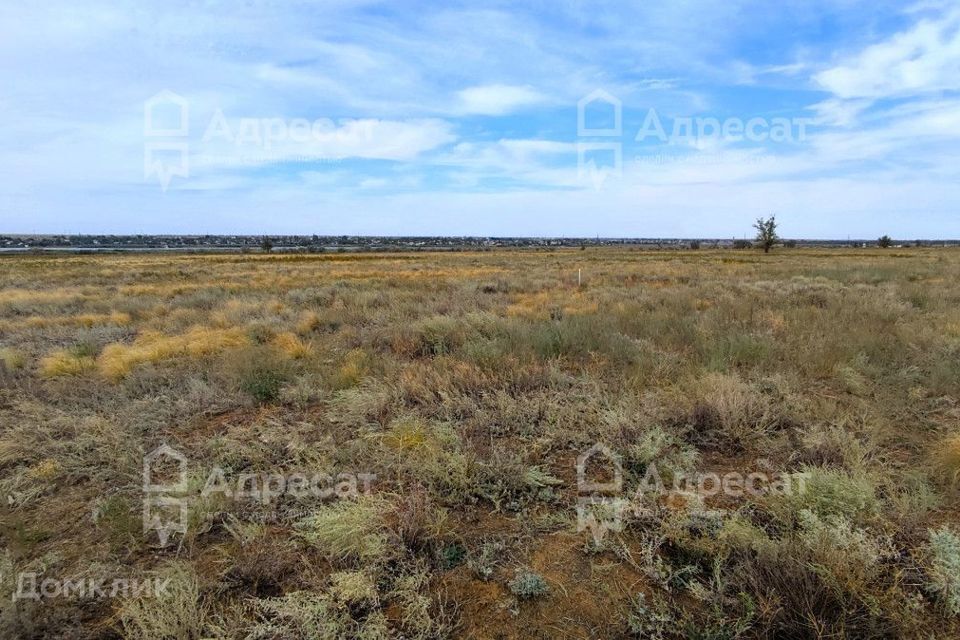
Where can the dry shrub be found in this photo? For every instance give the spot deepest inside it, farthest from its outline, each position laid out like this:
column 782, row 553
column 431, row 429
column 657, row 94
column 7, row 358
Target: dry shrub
column 303, row 614
column 728, row 412
column 355, row 365
column 420, row 523
column 370, row 403
column 259, row 371
column 348, row 531
column 943, row 568
column 830, row 493
column 947, row 458
column 838, row 445
column 827, row 580
column 178, row 611
column 308, row 322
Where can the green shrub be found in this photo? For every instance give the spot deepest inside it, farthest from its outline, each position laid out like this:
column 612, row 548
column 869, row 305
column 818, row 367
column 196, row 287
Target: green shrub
column 943, row 573
column 833, row 492
column 527, row 584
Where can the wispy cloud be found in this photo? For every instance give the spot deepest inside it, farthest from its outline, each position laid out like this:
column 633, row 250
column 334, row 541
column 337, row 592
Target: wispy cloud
column 920, row 60
column 496, row 99
column 469, row 113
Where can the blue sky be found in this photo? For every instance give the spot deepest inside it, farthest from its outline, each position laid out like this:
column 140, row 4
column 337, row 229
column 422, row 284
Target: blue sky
column 462, row 119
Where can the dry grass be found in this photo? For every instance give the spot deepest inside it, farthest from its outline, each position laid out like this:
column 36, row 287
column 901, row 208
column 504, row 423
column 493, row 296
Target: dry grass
column 117, row 360
column 947, row 458
column 469, row 383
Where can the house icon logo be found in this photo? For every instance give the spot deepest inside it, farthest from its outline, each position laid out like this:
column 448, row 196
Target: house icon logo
column 600, row 507
column 598, row 160
column 598, row 451
column 166, row 127
column 594, row 101
column 164, row 503
column 154, row 459
column 159, row 108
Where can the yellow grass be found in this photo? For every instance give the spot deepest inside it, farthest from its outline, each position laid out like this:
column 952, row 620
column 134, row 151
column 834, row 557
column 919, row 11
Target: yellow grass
column 118, row 359
column 948, row 458
column 65, row 363
column 12, row 359
column 309, row 321
column 291, row 345
column 81, row 320
column 32, row 296
column 542, row 304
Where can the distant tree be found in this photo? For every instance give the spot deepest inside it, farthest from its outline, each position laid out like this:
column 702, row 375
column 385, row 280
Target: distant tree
column 790, row 244
column 884, row 241
column 694, row 244
column 766, row 233
column 266, row 244
column 742, row 244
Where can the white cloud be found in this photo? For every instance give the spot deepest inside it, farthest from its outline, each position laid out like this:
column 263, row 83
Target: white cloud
column 371, row 139
column 924, row 59
column 497, row 99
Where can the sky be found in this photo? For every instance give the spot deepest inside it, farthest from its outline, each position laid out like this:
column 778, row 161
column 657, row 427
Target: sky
column 542, row 118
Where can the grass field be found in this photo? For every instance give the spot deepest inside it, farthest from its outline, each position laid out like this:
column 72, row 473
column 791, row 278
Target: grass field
column 386, row 445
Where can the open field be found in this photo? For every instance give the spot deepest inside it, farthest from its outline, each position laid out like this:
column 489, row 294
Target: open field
column 386, row 445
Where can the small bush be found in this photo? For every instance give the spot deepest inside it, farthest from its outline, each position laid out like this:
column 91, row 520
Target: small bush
column 653, row 622
column 527, row 584
column 438, row 335
column 833, row 492
column 947, row 459
column 175, row 612
column 303, row 614
column 348, row 531
column 943, row 573
column 259, row 372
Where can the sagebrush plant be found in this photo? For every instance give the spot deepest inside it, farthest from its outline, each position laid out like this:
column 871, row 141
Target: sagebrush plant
column 176, row 611
column 348, row 530
column 944, row 568
column 528, row 584
column 468, row 383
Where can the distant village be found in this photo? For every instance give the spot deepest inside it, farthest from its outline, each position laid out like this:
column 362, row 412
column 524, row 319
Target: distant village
column 321, row 244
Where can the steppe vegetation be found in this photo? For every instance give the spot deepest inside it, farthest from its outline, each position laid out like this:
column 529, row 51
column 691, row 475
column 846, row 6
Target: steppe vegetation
column 469, row 383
